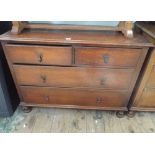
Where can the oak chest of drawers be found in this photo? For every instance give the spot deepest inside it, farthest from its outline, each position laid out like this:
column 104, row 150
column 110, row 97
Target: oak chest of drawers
column 75, row 69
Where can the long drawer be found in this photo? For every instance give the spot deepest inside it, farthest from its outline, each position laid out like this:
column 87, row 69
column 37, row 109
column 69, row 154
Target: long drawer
column 32, row 54
column 73, row 76
column 78, row 97
column 115, row 57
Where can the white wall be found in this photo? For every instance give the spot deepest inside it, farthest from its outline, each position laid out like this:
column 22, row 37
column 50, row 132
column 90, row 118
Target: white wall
column 105, row 23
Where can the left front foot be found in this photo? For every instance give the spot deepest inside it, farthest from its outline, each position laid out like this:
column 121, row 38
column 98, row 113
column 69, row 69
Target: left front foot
column 120, row 114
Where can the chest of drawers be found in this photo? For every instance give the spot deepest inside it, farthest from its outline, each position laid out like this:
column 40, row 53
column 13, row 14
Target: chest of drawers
column 144, row 97
column 75, row 69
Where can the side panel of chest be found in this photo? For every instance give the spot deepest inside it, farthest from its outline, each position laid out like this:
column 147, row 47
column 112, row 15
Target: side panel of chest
column 144, row 97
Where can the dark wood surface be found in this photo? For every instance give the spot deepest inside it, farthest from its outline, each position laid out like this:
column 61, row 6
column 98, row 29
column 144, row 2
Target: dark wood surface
column 93, row 67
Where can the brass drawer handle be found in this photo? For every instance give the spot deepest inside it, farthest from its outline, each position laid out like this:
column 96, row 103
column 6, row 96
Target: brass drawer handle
column 40, row 58
column 99, row 100
column 106, row 58
column 43, row 77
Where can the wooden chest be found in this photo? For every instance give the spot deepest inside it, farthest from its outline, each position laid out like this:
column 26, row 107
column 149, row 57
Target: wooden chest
column 144, row 96
column 75, row 69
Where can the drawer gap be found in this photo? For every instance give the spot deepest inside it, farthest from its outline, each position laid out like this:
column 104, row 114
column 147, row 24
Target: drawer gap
column 31, row 44
column 74, row 65
column 91, row 88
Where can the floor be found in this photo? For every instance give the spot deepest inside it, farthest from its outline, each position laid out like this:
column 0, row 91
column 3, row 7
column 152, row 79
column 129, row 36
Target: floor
column 43, row 120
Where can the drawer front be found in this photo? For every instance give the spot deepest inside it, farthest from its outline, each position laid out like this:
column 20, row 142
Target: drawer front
column 51, row 55
column 82, row 97
column 151, row 80
column 73, row 76
column 147, row 98
column 107, row 57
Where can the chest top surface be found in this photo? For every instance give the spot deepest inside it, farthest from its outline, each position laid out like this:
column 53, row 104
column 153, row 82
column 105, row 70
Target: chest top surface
column 92, row 38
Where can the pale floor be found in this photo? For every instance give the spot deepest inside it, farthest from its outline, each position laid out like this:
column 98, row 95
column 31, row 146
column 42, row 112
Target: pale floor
column 68, row 120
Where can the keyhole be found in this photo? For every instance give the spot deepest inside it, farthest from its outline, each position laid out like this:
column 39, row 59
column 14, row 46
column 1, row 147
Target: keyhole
column 43, row 77
column 106, row 58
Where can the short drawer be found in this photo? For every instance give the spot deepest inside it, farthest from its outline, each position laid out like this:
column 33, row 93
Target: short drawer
column 73, row 76
column 52, row 55
column 78, row 97
column 120, row 57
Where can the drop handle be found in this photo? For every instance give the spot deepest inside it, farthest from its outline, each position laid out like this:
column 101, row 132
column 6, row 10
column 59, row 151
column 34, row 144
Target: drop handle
column 106, row 58
column 99, row 100
column 40, row 58
column 43, row 78
column 102, row 81
column 47, row 98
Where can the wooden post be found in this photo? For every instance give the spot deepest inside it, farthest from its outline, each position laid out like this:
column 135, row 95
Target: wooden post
column 126, row 28
column 17, row 27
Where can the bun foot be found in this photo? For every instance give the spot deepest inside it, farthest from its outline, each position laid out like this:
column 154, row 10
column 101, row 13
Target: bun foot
column 120, row 114
column 26, row 109
column 131, row 114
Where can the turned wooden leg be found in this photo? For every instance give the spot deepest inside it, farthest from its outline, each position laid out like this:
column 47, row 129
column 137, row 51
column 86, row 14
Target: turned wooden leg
column 120, row 114
column 26, row 109
column 131, row 114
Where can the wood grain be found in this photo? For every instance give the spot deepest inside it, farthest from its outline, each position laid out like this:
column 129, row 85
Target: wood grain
column 107, row 57
column 73, row 77
column 147, row 98
column 143, row 97
column 43, row 55
column 76, row 121
column 91, row 38
column 72, row 84
column 123, row 26
column 44, row 120
column 74, row 97
column 151, row 79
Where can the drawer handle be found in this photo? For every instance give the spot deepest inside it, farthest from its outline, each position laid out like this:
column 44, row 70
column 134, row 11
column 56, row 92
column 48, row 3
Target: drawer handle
column 102, row 81
column 106, row 58
column 47, row 98
column 99, row 100
column 43, row 77
column 40, row 58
